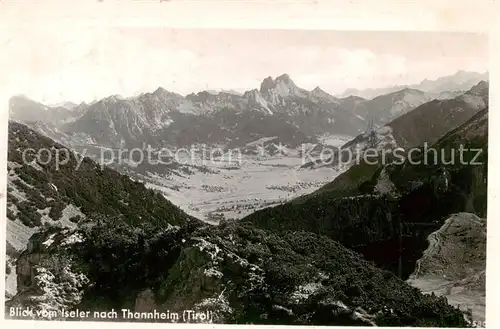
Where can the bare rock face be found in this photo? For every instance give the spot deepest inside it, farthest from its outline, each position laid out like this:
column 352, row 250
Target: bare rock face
column 454, row 264
column 47, row 284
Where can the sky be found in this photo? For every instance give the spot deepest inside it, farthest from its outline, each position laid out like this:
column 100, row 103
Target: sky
column 53, row 64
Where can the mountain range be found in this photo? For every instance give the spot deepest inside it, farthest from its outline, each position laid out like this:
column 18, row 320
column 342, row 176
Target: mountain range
column 279, row 108
column 460, row 81
column 424, row 124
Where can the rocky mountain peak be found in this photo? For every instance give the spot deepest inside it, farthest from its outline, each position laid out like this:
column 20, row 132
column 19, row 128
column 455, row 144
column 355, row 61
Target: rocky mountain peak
column 284, row 77
column 251, row 93
column 22, row 108
column 255, row 99
column 267, row 84
column 205, row 94
column 323, row 95
column 281, row 87
column 113, row 99
column 166, row 95
column 481, row 88
column 282, row 80
column 160, row 91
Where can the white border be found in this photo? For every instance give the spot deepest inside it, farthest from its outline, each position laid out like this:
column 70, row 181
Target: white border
column 424, row 15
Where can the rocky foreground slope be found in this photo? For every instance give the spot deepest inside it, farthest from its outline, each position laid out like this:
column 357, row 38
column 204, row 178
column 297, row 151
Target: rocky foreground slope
column 238, row 273
column 454, row 264
column 148, row 255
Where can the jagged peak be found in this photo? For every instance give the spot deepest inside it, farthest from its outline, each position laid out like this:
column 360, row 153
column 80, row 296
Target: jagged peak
column 161, row 93
column 483, row 83
column 251, row 92
column 115, row 97
column 270, row 83
column 202, row 96
column 267, row 84
column 480, row 88
column 108, row 100
column 160, row 90
column 255, row 95
column 320, row 93
column 284, row 77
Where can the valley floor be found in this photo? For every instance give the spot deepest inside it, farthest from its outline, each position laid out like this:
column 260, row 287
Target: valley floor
column 238, row 191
